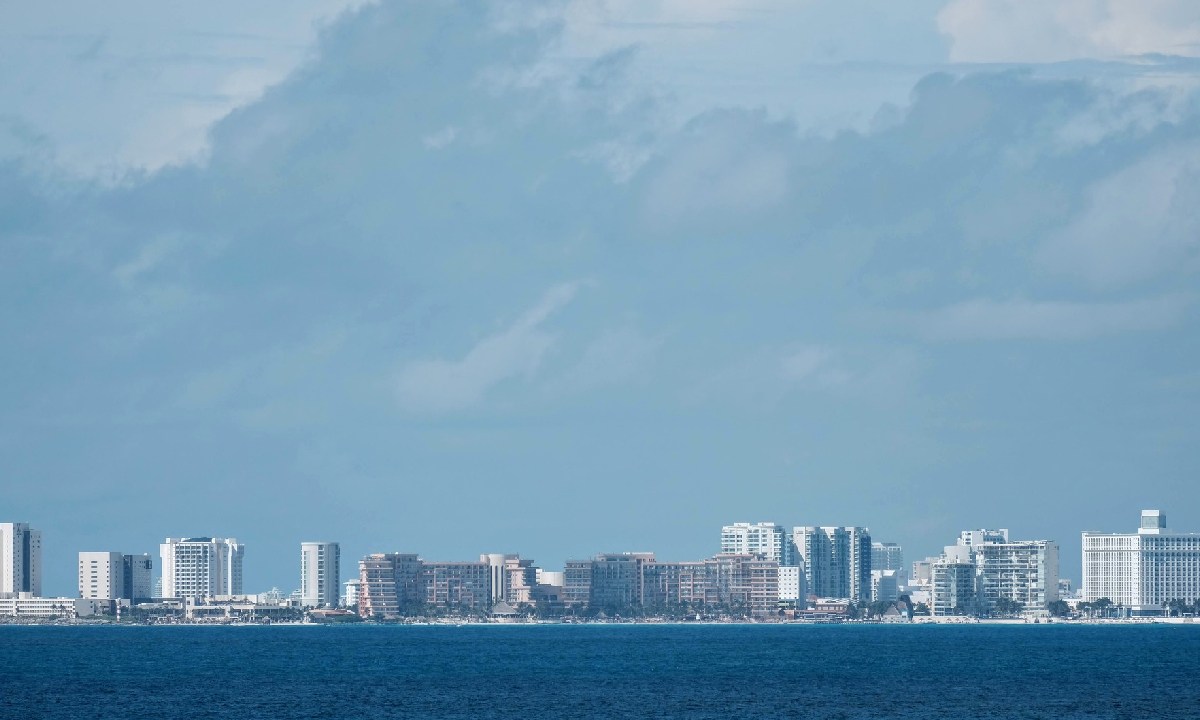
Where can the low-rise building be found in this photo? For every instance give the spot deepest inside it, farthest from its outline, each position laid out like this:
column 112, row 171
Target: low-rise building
column 885, row 585
column 26, row 605
column 350, row 593
column 792, row 586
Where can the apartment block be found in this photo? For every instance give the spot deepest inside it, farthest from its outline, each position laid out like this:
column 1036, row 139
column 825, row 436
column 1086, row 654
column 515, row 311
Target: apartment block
column 837, row 561
column 320, row 574
column 395, row 584
column 952, row 585
column 764, row 539
column 1003, row 571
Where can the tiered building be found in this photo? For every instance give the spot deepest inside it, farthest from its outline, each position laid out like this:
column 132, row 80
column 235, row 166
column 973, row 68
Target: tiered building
column 395, row 584
column 1002, row 572
column 618, row 582
column 1141, row 571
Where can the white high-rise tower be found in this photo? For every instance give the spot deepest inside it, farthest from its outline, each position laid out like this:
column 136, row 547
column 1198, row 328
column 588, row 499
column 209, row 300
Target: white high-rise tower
column 201, row 567
column 764, row 539
column 20, row 559
column 320, row 570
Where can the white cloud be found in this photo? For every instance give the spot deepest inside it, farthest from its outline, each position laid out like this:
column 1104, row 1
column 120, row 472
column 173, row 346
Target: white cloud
column 1021, row 319
column 725, row 164
column 441, row 138
column 148, row 257
column 616, row 356
column 516, row 351
column 803, row 363
column 130, row 84
column 1139, row 223
column 1055, row 30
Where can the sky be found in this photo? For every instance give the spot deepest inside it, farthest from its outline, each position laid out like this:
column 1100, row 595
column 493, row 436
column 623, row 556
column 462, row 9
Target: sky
column 593, row 276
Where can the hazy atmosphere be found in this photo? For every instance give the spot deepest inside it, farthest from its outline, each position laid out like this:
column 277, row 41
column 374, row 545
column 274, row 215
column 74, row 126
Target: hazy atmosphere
column 584, row 276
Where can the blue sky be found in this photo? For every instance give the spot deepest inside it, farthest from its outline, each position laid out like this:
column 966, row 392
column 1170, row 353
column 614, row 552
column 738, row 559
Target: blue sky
column 456, row 278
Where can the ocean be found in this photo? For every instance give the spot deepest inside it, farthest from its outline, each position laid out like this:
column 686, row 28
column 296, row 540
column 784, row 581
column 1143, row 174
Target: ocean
column 601, row 671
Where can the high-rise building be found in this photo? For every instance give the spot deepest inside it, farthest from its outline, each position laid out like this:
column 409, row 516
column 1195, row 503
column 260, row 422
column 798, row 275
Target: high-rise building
column 952, row 582
column 114, row 576
column 514, row 579
column 764, row 539
column 620, row 582
column 1017, row 573
column 379, row 592
column 858, row 563
column 748, row 583
column 101, row 575
column 837, row 561
column 320, row 574
column 394, row 584
column 888, row 556
column 617, row 580
column 20, row 559
column 201, row 567
column 350, row 593
column 465, row 586
column 139, row 577
column 1141, row 571
column 577, row 583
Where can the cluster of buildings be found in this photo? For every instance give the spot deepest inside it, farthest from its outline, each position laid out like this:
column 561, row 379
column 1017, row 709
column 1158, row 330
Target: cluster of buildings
column 761, row 570
column 986, row 572
column 200, row 577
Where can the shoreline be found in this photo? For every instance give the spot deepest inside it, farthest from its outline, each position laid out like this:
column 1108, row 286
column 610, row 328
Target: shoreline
column 954, row 621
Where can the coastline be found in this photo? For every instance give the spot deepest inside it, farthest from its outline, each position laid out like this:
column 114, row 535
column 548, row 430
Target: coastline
column 920, row 620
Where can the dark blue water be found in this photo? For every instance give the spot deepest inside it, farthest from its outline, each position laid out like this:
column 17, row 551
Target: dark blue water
column 601, row 672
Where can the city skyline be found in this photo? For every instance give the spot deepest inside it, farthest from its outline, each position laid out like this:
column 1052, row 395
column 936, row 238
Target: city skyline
column 363, row 269
column 759, row 569
column 719, row 543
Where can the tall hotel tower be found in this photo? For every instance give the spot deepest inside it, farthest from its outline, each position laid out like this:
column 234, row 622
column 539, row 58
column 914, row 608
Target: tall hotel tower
column 201, row 567
column 320, row 574
column 20, row 559
column 1142, row 570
